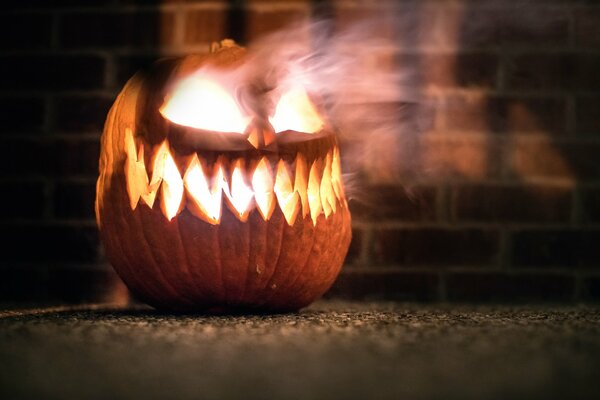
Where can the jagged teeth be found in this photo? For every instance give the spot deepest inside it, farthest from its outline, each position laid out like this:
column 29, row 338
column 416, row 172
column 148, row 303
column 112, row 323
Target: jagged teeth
column 316, row 189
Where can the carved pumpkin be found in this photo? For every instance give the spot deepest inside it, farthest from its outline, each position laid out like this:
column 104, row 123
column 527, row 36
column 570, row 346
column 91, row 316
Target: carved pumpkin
column 206, row 204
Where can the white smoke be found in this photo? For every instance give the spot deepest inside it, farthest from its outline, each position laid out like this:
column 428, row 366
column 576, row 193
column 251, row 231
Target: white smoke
column 375, row 103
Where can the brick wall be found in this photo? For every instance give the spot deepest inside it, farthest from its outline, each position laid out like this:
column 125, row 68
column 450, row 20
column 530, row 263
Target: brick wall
column 496, row 198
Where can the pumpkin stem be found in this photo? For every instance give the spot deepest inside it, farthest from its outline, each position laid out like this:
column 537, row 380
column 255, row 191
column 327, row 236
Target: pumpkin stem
column 225, row 43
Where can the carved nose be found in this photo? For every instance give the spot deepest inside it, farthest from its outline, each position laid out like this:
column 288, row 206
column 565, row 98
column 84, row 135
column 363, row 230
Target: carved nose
column 260, row 134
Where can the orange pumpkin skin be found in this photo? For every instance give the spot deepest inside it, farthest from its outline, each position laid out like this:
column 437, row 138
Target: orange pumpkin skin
column 187, row 264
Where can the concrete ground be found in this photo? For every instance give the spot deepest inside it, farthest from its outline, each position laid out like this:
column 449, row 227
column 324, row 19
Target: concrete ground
column 332, row 350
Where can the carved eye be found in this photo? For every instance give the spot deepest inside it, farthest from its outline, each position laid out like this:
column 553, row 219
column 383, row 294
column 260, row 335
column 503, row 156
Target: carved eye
column 202, row 103
column 295, row 112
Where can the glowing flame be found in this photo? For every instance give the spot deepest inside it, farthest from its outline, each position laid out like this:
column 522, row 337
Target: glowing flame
column 328, row 199
column 262, row 183
column 240, row 194
column 172, row 186
column 296, row 112
column 287, row 198
column 137, row 179
column 158, row 169
column 205, row 201
column 301, row 183
column 314, row 196
column 201, row 103
column 336, row 174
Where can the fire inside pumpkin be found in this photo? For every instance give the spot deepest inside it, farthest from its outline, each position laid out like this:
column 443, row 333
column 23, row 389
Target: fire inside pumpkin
column 205, row 205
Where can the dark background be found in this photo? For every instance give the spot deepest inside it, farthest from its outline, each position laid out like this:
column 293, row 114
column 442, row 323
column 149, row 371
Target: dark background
column 499, row 197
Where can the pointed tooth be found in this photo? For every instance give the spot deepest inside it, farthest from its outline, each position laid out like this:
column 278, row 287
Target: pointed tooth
column 135, row 170
column 238, row 193
column 262, row 185
column 301, row 183
column 171, row 188
column 288, row 200
column 314, row 186
column 327, row 194
column 204, row 202
column 253, row 138
column 336, row 175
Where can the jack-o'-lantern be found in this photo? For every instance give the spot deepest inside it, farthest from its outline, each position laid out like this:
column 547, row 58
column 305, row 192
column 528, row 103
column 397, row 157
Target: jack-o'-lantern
column 207, row 204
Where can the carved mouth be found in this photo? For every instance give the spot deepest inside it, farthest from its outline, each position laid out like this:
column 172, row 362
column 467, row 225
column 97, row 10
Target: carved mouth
column 301, row 189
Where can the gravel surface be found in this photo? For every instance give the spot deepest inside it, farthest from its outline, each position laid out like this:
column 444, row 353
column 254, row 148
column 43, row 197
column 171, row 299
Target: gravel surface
column 332, row 350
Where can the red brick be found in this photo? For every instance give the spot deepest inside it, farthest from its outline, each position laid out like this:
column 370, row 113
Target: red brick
column 52, row 243
column 435, row 246
column 471, row 114
column 590, row 199
column 387, row 285
column 546, row 115
column 75, row 158
column 260, row 23
column 474, row 158
column 531, row 203
column 355, row 251
column 25, row 200
column 556, row 248
column 383, row 120
column 127, row 66
column 372, row 21
column 25, row 31
column 506, row 287
column 81, row 113
column 563, row 71
column 443, row 70
column 586, row 112
column 205, row 26
column 51, row 72
column 386, row 202
column 587, row 27
column 511, row 114
column 21, row 114
column 544, row 158
column 74, row 200
column 528, row 25
column 141, row 29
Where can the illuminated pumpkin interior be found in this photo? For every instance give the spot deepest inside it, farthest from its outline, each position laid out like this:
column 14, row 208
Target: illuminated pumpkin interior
column 298, row 190
column 295, row 112
column 200, row 103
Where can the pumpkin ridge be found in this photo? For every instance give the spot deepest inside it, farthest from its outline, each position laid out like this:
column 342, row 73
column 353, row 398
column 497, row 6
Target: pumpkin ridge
column 113, row 178
column 320, row 230
column 307, row 224
column 220, row 253
column 188, row 263
column 254, row 254
column 307, row 229
column 200, row 239
column 166, row 281
column 246, row 270
column 125, row 272
column 274, row 261
column 146, row 286
column 271, row 264
column 328, row 261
